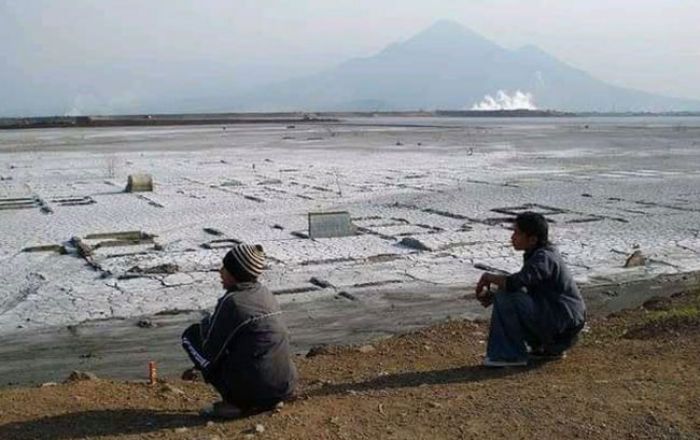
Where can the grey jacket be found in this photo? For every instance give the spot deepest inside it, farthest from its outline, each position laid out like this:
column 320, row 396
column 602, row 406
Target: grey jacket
column 544, row 275
column 245, row 344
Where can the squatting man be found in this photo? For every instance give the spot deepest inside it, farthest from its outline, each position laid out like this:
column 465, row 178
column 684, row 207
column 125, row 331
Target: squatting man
column 242, row 349
column 538, row 312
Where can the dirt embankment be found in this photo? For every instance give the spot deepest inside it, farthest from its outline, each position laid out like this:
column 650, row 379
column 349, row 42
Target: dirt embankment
column 635, row 375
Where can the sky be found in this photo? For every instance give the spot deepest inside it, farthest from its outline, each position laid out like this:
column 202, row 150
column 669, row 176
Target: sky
column 107, row 56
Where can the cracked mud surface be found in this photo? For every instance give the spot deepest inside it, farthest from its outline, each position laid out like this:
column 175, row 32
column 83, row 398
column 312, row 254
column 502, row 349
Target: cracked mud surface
column 607, row 189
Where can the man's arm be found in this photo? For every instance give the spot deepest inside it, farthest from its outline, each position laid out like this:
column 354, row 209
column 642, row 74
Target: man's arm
column 535, row 271
column 205, row 342
column 192, row 343
column 220, row 328
column 490, row 278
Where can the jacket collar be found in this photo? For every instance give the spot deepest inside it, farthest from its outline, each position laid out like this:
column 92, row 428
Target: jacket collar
column 243, row 286
column 531, row 252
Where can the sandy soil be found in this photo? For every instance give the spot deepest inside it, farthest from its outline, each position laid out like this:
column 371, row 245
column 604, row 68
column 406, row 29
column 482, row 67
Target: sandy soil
column 635, row 375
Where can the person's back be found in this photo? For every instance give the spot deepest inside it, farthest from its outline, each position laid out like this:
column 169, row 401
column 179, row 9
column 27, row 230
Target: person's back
column 546, row 277
column 258, row 360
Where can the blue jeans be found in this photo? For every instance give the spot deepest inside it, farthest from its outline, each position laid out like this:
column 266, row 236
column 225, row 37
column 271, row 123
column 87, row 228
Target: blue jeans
column 518, row 318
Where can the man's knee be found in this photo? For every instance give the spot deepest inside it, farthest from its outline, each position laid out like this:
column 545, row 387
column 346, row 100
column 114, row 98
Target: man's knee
column 511, row 299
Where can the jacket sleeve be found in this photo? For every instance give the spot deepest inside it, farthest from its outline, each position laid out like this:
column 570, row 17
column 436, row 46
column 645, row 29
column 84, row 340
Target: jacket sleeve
column 535, row 272
column 205, row 342
column 220, row 329
column 192, row 343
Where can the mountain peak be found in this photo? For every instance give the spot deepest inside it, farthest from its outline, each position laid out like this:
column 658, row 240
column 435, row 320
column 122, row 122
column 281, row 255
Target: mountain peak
column 447, row 37
column 447, row 25
column 446, row 65
column 447, row 29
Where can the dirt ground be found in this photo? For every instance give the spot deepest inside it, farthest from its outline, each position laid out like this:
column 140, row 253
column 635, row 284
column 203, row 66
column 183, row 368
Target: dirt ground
column 635, row 375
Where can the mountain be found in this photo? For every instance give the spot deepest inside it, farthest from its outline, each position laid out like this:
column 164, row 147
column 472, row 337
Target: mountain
column 447, row 66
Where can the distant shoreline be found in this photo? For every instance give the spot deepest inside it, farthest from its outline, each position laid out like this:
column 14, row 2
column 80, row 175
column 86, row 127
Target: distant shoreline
column 290, row 117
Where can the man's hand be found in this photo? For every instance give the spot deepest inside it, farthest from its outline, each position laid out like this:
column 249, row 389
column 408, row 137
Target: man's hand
column 483, row 288
column 191, row 374
column 485, row 298
column 483, row 283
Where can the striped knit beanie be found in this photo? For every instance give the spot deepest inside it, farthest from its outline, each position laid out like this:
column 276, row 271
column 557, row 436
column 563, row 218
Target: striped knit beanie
column 245, row 261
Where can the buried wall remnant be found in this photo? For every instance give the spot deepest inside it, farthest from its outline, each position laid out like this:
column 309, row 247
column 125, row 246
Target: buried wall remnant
column 330, row 224
column 119, row 238
column 19, row 203
column 139, row 183
column 73, row 200
column 223, row 243
column 414, row 243
column 46, row 248
column 86, row 246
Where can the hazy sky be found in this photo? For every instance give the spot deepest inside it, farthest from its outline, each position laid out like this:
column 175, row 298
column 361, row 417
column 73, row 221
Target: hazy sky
column 79, row 55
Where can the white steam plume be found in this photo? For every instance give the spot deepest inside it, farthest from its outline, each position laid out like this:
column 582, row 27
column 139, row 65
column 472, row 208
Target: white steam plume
column 503, row 101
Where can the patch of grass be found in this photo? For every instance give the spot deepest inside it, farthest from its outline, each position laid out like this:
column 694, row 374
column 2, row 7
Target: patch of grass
column 682, row 313
column 674, row 323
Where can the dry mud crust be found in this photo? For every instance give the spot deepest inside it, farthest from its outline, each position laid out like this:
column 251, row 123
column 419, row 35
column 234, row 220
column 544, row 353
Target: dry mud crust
column 426, row 384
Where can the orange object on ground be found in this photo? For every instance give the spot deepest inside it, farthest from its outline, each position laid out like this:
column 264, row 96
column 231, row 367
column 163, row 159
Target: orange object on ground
column 152, row 373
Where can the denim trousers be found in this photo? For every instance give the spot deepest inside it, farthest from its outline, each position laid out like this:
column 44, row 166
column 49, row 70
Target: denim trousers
column 519, row 320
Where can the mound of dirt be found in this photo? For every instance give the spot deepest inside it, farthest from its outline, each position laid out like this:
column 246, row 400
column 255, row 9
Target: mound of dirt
column 666, row 325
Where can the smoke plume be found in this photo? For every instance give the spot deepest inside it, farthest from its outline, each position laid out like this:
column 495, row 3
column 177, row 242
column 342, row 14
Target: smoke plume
column 503, row 101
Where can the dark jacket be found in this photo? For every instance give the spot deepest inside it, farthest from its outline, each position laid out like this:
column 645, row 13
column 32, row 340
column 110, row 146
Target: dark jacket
column 243, row 347
column 546, row 278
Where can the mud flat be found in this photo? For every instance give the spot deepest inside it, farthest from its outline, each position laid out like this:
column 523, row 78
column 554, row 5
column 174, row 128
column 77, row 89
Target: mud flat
column 431, row 199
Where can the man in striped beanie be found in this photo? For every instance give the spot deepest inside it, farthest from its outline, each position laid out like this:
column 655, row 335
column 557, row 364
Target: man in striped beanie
column 244, row 262
column 242, row 349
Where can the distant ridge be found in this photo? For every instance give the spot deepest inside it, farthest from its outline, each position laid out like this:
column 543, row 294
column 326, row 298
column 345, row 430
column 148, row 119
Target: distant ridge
column 448, row 66
column 288, row 118
column 159, row 120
